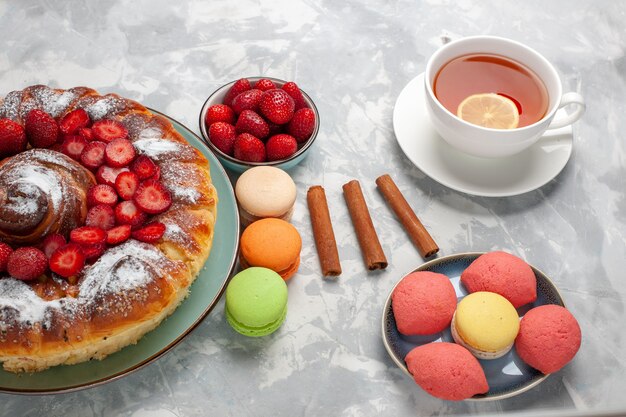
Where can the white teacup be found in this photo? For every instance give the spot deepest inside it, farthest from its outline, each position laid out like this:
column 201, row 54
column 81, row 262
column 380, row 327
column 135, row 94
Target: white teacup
column 487, row 142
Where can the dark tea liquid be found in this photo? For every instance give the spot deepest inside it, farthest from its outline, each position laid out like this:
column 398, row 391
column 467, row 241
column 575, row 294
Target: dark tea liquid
column 485, row 73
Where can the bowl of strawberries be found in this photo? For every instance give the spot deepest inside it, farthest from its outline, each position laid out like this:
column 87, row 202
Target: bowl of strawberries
column 259, row 121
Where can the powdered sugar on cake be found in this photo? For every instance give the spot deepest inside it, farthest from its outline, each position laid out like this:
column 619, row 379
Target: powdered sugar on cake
column 105, row 107
column 18, row 302
column 155, row 146
column 127, row 267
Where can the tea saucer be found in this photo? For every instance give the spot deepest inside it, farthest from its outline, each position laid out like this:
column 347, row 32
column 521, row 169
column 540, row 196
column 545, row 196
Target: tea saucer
column 499, row 177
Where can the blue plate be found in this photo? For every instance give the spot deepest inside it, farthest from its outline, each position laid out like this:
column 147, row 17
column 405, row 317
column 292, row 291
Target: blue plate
column 507, row 376
column 204, row 294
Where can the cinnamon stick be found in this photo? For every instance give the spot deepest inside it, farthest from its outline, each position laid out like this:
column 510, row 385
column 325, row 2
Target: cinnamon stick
column 323, row 231
column 373, row 254
column 416, row 230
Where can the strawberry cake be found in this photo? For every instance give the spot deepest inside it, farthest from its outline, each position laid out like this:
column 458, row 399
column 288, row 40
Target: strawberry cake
column 106, row 217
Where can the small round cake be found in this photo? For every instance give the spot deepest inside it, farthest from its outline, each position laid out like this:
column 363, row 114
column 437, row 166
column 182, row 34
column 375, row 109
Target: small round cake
column 447, row 371
column 256, row 302
column 504, row 274
column 122, row 209
column 423, row 303
column 486, row 324
column 265, row 191
column 549, row 338
column 271, row 243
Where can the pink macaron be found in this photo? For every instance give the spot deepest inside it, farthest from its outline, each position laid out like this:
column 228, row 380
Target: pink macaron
column 447, row 371
column 423, row 303
column 504, row 274
column 548, row 338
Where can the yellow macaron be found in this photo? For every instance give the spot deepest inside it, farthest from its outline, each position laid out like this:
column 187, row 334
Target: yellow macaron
column 486, row 324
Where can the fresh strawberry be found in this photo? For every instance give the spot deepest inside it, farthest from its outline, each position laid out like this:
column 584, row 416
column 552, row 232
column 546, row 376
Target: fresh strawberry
column 118, row 234
column 127, row 212
column 157, row 174
column 51, row 243
column 92, row 155
column 238, row 87
column 41, row 129
column 5, row 251
column 88, row 235
column 302, row 124
column 73, row 121
column 101, row 194
column 27, row 263
column 248, row 100
column 150, row 233
column 296, row 94
column 152, row 197
column 107, row 175
column 57, row 147
column 12, row 138
column 101, row 216
column 120, row 153
column 249, row 148
column 277, row 106
column 73, row 146
column 143, row 167
column 222, row 135
column 219, row 113
column 67, row 260
column 108, row 130
column 264, row 84
column 93, row 251
column 86, row 133
column 250, row 122
column 126, row 184
column 275, row 129
column 280, row 147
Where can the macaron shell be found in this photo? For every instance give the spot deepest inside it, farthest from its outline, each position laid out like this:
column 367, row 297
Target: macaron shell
column 271, row 243
column 549, row 338
column 285, row 274
column 423, row 303
column 256, row 301
column 480, row 354
column 447, row 371
column 255, row 331
column 265, row 191
column 248, row 218
column 486, row 321
column 504, row 274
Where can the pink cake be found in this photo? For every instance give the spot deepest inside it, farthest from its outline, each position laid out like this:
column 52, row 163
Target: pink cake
column 504, row 274
column 549, row 338
column 423, row 303
column 447, row 371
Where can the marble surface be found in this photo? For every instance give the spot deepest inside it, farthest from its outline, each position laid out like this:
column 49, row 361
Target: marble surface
column 353, row 58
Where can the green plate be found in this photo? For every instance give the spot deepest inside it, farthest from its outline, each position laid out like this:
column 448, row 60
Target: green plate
column 205, row 292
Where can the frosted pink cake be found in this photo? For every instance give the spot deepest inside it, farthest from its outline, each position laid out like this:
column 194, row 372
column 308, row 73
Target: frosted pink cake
column 549, row 338
column 447, row 371
column 504, row 274
column 423, row 303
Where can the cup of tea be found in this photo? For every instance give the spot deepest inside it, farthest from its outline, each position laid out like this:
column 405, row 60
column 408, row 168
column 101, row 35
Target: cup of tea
column 494, row 97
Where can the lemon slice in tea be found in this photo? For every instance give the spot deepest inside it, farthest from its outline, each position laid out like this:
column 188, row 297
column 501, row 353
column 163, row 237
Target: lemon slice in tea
column 489, row 110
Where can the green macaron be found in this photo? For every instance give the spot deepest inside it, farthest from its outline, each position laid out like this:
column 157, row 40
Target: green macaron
column 256, row 301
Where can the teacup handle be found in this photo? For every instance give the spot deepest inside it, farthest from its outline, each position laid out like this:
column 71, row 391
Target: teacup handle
column 567, row 99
